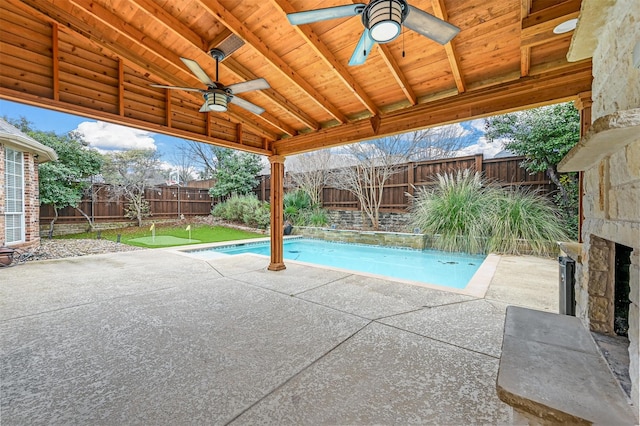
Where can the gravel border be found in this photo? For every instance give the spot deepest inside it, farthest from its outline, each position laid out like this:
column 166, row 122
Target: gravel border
column 59, row 249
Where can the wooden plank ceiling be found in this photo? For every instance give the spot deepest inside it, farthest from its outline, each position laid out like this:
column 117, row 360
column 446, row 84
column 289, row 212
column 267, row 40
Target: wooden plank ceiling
column 97, row 58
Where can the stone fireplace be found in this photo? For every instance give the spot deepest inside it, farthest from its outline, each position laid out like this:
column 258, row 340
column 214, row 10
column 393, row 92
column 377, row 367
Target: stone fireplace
column 608, row 156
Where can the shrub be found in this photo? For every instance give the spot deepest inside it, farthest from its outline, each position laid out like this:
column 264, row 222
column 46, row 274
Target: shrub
column 454, row 211
column 466, row 214
column 295, row 203
column 299, row 210
column 244, row 208
column 524, row 215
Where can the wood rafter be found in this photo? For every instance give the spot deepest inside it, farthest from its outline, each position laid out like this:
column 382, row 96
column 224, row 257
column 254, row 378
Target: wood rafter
column 525, row 51
column 184, row 32
column 537, row 27
column 440, row 11
column 323, row 52
column 531, row 91
column 97, row 58
column 88, row 26
column 397, row 73
column 232, row 23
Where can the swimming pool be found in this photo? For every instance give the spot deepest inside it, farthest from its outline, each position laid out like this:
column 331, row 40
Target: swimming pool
column 453, row 270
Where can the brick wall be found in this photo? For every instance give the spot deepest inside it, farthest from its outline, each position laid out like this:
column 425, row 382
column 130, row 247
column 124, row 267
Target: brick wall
column 31, row 201
column 31, row 197
column 1, row 194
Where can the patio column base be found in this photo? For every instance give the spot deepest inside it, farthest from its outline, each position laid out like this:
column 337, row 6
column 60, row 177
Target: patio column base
column 276, row 266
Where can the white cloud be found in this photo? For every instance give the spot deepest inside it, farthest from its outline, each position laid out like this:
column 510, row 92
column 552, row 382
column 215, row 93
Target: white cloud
column 489, row 149
column 112, row 137
column 478, row 124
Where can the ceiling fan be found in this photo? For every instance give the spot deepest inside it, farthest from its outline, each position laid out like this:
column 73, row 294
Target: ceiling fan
column 217, row 95
column 383, row 21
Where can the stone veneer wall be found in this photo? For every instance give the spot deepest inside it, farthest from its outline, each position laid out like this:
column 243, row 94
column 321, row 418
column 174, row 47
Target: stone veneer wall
column 612, row 186
column 389, row 239
column 356, row 219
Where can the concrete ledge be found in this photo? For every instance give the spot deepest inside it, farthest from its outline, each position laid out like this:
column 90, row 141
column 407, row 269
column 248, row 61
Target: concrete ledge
column 551, row 371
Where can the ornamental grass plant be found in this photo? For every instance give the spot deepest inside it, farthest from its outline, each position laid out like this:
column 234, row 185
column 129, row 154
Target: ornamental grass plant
column 524, row 221
column 464, row 213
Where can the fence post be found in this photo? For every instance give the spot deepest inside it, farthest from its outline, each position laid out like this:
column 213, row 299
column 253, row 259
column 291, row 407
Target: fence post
column 411, row 178
column 479, row 163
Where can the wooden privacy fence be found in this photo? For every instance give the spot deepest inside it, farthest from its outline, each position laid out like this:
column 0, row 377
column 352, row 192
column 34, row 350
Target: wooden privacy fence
column 500, row 171
column 168, row 202
column 165, row 202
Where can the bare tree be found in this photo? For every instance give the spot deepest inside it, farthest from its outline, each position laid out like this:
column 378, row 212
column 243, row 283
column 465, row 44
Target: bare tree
column 184, row 163
column 131, row 173
column 203, row 156
column 376, row 161
column 310, row 172
column 439, row 142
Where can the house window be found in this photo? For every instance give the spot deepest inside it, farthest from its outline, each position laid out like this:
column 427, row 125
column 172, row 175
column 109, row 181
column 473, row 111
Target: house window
column 13, row 196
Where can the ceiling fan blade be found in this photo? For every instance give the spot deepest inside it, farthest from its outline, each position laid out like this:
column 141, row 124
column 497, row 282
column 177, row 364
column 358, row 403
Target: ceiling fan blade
column 189, row 89
column 197, row 70
column 257, row 84
column 429, row 26
column 365, row 44
column 246, row 105
column 317, row 15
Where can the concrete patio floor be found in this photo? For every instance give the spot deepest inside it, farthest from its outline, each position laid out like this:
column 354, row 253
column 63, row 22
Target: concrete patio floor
column 154, row 337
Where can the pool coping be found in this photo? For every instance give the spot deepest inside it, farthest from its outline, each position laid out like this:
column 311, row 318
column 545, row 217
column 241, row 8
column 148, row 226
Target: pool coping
column 477, row 286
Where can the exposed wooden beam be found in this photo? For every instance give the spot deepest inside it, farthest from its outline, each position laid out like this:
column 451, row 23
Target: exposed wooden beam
column 228, row 20
column 25, row 98
column 182, row 31
column 555, row 86
column 525, row 51
column 537, row 28
column 327, row 57
column 171, row 23
column 88, row 26
column 440, row 11
column 287, row 106
column 55, row 58
column 396, row 72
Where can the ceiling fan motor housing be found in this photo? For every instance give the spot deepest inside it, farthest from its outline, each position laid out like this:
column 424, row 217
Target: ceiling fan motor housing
column 384, row 19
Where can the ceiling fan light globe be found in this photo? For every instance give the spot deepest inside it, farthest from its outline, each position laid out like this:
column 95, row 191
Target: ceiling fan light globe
column 384, row 32
column 216, row 101
column 384, row 19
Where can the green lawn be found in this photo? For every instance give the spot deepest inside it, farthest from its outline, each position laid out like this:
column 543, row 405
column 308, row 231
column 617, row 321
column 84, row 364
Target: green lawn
column 168, row 236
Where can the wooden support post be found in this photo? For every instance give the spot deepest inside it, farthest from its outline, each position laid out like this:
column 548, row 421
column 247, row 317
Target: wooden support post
column 583, row 105
column 277, row 227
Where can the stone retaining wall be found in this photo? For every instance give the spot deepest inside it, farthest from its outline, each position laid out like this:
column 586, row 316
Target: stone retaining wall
column 390, row 239
column 355, row 219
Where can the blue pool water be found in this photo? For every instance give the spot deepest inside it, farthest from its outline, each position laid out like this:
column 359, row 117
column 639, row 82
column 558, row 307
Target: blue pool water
column 428, row 266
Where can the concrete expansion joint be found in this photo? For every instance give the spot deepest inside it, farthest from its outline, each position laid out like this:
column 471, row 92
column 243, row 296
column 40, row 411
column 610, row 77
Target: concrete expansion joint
column 440, row 341
column 298, row 373
column 322, row 285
